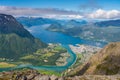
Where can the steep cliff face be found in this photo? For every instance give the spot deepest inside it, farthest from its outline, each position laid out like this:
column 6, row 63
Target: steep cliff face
column 16, row 41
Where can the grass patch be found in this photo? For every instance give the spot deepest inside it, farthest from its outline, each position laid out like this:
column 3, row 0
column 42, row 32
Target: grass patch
column 28, row 57
column 6, row 65
column 48, row 72
column 59, row 48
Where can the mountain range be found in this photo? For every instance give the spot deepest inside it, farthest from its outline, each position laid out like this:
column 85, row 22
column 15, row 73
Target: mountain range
column 99, row 31
column 34, row 21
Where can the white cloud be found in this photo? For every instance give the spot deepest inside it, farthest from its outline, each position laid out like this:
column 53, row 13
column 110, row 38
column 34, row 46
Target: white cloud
column 41, row 12
column 59, row 13
column 102, row 14
column 34, row 11
column 64, row 16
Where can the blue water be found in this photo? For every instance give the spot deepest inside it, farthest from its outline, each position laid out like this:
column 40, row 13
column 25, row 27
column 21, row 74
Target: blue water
column 56, row 37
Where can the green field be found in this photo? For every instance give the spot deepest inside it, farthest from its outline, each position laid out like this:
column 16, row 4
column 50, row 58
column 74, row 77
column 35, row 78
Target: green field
column 48, row 72
column 6, row 65
column 45, row 56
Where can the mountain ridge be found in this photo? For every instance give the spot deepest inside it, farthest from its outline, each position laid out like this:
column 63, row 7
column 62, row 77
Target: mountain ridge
column 108, row 23
column 15, row 40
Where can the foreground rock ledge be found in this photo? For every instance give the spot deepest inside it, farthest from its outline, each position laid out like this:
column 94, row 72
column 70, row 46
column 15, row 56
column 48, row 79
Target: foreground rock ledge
column 35, row 75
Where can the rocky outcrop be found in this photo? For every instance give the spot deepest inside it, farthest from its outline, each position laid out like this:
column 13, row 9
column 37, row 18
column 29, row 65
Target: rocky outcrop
column 27, row 75
column 94, row 77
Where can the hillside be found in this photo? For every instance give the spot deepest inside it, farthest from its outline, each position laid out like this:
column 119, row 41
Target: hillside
column 55, row 27
column 16, row 41
column 108, row 23
column 105, row 62
column 74, row 23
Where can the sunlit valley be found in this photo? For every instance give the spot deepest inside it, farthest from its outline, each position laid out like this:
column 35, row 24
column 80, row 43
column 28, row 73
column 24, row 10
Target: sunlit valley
column 57, row 40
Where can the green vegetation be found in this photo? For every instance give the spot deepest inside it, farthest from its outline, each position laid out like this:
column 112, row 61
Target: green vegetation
column 78, row 61
column 72, row 70
column 6, row 65
column 59, row 48
column 45, row 56
column 105, row 68
column 16, row 46
column 48, row 72
column 108, row 34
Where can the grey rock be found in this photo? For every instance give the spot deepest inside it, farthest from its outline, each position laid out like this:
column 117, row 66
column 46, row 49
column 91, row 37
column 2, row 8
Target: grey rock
column 31, row 76
column 61, row 78
column 53, row 77
column 44, row 77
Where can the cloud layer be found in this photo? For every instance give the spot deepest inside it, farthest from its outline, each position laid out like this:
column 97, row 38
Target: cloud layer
column 60, row 13
column 34, row 11
column 102, row 14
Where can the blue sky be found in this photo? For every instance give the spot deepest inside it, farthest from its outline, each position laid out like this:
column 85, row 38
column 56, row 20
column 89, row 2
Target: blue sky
column 64, row 8
column 62, row 4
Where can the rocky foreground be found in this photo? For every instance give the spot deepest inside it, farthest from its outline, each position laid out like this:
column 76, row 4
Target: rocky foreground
column 35, row 75
column 27, row 75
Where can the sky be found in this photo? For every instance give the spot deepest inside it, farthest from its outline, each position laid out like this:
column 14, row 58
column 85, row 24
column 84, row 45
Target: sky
column 61, row 9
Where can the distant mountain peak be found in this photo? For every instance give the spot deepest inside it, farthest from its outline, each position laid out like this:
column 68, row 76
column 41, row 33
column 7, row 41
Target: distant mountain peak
column 8, row 24
column 4, row 17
